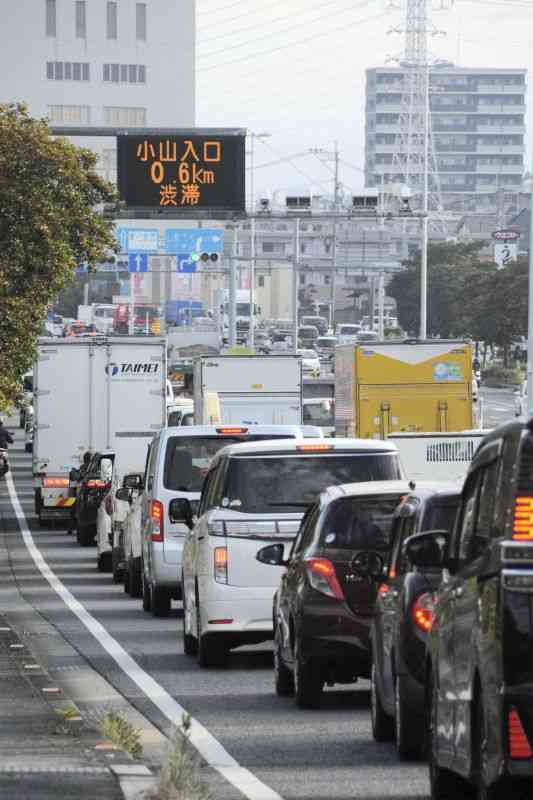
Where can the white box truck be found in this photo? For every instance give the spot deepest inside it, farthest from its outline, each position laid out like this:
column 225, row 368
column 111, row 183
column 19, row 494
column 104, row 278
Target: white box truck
column 92, row 394
column 248, row 390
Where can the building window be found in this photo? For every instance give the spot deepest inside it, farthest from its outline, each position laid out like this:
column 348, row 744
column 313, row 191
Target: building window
column 302, row 279
column 124, row 73
column 112, row 21
column 261, row 281
column 67, row 71
column 51, row 17
column 274, row 247
column 118, row 115
column 327, row 280
column 141, row 22
column 81, row 19
column 69, row 114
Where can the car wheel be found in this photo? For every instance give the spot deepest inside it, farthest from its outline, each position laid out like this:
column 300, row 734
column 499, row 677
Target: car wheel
column 410, row 738
column 307, row 680
column 28, row 447
column 382, row 724
column 126, row 578
column 117, row 571
column 160, row 601
column 146, row 594
column 85, row 535
column 211, row 647
column 444, row 784
column 135, row 577
column 190, row 642
column 104, row 562
column 283, row 677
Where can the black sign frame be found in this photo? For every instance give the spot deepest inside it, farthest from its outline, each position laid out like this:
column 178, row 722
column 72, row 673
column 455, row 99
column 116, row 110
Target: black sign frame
column 189, row 172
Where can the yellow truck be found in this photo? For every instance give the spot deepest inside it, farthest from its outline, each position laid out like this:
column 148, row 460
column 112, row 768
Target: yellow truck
column 405, row 386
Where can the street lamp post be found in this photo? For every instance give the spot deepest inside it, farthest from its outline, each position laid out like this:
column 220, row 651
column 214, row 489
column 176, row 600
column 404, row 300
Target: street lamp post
column 253, row 137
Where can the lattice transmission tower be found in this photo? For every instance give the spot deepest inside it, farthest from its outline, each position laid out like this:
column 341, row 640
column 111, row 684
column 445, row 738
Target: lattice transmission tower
column 410, row 152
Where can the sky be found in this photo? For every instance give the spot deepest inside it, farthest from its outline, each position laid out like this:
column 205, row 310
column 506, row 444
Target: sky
column 296, row 69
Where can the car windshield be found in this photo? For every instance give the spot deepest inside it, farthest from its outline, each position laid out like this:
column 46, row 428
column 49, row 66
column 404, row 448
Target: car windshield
column 270, row 484
column 307, row 353
column 349, row 330
column 326, row 342
column 359, row 523
column 320, row 412
column 440, row 517
column 187, row 458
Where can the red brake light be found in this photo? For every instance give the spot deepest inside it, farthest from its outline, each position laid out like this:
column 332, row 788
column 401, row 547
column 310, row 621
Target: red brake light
column 523, row 519
column 519, row 746
column 323, row 578
column 94, row 483
column 55, row 483
column 313, row 448
column 383, row 589
column 157, row 514
column 423, row 612
column 221, row 564
column 233, row 430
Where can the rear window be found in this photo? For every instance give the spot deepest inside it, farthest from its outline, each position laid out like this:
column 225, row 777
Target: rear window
column 187, row 458
column 359, row 523
column 270, row 484
column 440, row 517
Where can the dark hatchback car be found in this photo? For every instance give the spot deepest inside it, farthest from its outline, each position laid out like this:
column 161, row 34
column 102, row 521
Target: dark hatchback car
column 92, row 485
column 404, row 613
column 323, row 609
column 479, row 672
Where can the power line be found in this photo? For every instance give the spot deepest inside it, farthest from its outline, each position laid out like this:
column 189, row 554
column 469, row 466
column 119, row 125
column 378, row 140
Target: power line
column 295, row 43
column 321, row 6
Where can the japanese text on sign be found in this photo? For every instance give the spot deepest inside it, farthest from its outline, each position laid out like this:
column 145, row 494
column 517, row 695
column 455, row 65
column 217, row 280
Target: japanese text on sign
column 193, row 172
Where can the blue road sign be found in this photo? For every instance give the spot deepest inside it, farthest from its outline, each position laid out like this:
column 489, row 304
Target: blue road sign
column 184, row 263
column 194, row 240
column 138, row 240
column 138, row 262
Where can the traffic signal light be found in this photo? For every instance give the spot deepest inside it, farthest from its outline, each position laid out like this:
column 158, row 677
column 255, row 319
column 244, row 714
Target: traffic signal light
column 209, row 257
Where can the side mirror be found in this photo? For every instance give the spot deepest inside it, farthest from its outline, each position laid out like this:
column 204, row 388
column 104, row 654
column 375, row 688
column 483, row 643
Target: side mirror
column 133, row 481
column 123, row 494
column 180, row 510
column 272, row 555
column 427, row 550
column 368, row 564
column 74, row 475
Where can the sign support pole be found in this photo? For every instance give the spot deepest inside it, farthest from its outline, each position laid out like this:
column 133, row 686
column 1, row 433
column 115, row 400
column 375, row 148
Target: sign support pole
column 232, row 293
column 530, row 318
column 295, row 284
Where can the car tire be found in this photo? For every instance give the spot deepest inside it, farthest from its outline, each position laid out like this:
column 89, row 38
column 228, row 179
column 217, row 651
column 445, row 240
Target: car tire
column 308, row 682
column 283, row 677
column 211, row 647
column 146, row 593
column 410, row 738
column 382, row 724
column 28, row 447
column 118, row 572
column 160, row 601
column 444, row 784
column 135, row 577
column 126, row 578
column 104, row 562
column 85, row 535
column 190, row 642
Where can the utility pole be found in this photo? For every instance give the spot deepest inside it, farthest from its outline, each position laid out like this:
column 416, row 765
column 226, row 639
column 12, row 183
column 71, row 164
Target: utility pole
column 425, row 221
column 253, row 137
column 530, row 317
column 232, row 293
column 295, row 283
column 336, row 199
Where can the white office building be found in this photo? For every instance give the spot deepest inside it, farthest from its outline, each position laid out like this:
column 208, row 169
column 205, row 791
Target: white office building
column 95, row 62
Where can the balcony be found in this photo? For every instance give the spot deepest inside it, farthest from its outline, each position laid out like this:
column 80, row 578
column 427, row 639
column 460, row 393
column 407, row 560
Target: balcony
column 498, row 129
column 496, row 149
column 503, row 88
column 500, row 169
column 495, row 108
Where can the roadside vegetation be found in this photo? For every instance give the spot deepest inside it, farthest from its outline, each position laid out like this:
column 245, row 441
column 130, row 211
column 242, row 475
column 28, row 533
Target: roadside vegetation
column 179, row 779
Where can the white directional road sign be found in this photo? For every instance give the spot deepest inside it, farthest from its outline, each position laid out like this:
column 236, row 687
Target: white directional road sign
column 138, row 262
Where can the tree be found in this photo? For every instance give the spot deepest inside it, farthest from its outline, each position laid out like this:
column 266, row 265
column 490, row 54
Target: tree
column 49, row 194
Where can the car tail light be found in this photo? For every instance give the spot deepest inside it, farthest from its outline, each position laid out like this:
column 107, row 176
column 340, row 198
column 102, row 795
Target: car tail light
column 55, row 483
column 227, row 430
column 423, row 611
column 157, row 515
column 95, row 483
column 323, row 578
column 523, row 519
column 314, row 448
column 221, row 564
column 383, row 589
column 519, row 746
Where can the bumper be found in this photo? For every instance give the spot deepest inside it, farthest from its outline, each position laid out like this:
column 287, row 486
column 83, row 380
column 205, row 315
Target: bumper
column 339, row 640
column 248, row 610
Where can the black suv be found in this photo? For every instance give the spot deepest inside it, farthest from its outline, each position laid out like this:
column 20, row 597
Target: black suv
column 404, row 612
column 92, row 486
column 479, row 671
column 323, row 608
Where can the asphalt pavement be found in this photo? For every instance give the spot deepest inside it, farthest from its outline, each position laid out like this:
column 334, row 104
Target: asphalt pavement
column 274, row 751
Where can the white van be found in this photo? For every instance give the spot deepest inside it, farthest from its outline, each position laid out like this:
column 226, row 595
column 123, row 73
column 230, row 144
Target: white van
column 347, row 333
column 177, row 462
column 255, row 494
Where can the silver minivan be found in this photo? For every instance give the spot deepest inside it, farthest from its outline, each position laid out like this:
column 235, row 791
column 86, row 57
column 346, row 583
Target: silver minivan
column 177, row 462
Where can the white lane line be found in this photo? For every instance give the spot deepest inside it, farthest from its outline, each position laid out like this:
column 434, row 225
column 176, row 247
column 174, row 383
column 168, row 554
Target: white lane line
column 209, row 748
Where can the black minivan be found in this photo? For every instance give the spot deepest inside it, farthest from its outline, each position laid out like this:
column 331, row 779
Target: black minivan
column 479, row 668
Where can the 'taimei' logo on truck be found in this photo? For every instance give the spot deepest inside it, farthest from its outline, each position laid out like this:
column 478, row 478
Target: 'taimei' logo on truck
column 132, row 368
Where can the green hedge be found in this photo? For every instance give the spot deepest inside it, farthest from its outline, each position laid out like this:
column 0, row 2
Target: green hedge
column 497, row 375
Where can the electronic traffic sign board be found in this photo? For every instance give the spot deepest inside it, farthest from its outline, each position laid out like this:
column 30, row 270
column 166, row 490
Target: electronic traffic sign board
column 182, row 171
